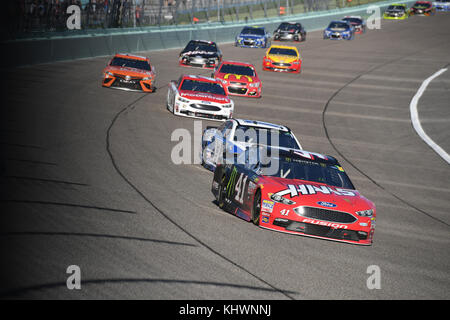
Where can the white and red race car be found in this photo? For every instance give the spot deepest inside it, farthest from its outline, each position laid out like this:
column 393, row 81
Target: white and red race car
column 199, row 97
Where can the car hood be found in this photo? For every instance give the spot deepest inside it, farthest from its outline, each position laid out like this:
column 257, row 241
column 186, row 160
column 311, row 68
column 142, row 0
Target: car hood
column 251, row 36
column 288, row 31
column 395, row 11
column 237, row 77
column 203, row 96
column 337, row 30
column 281, row 58
column 308, row 193
column 128, row 71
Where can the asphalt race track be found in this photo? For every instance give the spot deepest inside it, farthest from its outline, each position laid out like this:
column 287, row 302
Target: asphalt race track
column 89, row 180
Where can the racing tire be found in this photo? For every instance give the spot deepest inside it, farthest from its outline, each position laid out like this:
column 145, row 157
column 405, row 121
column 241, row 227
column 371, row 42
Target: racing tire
column 168, row 104
column 221, row 195
column 256, row 208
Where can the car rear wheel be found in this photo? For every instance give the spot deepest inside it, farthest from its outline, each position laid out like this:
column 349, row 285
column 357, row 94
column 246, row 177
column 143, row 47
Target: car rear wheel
column 256, row 210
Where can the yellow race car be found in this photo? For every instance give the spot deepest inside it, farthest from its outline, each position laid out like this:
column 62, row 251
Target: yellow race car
column 282, row 59
column 396, row 11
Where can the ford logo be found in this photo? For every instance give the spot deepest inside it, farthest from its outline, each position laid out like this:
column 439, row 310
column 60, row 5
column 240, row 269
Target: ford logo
column 326, row 204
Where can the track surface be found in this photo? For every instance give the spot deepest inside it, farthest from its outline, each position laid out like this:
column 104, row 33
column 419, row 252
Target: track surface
column 89, row 180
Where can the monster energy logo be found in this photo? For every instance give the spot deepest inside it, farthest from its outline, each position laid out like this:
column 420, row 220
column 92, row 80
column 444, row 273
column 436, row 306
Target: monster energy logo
column 231, row 182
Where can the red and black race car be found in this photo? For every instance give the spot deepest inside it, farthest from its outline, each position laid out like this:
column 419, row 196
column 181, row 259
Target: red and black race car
column 296, row 192
column 357, row 22
column 239, row 78
column 424, row 8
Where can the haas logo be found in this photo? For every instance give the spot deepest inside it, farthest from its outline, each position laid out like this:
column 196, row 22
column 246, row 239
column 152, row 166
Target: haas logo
column 238, row 76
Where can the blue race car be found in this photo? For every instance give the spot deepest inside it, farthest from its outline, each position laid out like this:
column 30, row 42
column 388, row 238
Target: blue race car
column 339, row 30
column 442, row 5
column 253, row 37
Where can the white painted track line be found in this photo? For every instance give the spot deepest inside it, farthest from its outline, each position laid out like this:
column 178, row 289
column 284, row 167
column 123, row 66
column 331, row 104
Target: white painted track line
column 415, row 117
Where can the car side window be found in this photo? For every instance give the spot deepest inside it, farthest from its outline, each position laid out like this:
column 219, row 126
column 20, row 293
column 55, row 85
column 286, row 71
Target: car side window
column 178, row 84
column 252, row 160
column 225, row 128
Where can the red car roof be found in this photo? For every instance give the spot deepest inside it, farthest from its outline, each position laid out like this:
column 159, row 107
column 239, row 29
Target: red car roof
column 237, row 63
column 199, row 78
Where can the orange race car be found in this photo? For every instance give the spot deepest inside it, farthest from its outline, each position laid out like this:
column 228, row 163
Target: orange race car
column 129, row 72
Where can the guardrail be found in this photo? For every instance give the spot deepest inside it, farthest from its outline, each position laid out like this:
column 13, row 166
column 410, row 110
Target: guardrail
column 105, row 42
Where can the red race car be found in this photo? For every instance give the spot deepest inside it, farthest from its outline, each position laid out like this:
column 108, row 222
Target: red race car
column 424, row 8
column 239, row 79
column 357, row 22
column 296, row 192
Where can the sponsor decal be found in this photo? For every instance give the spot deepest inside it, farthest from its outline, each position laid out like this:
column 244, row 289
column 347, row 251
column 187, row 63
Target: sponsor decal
column 203, row 96
column 231, row 182
column 308, row 189
column 267, row 205
column 310, row 155
column 265, row 219
column 238, row 76
column 188, row 53
column 326, row 204
column 324, row 223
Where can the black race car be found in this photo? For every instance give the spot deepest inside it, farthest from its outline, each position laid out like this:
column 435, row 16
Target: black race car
column 290, row 31
column 201, row 54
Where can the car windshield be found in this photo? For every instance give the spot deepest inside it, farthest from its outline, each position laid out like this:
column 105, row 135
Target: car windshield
column 267, row 137
column 235, row 69
column 283, row 51
column 200, row 46
column 202, row 86
column 293, row 168
column 130, row 63
column 353, row 20
column 254, row 31
column 396, row 8
column 288, row 26
column 338, row 26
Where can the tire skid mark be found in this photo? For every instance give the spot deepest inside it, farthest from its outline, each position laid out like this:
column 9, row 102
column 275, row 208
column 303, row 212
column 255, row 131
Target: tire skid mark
column 116, row 118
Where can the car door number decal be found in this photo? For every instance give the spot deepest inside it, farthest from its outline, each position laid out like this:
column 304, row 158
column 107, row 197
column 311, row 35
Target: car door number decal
column 240, row 187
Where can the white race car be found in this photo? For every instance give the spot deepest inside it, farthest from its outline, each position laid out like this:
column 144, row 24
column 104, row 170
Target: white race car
column 199, row 97
column 235, row 135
